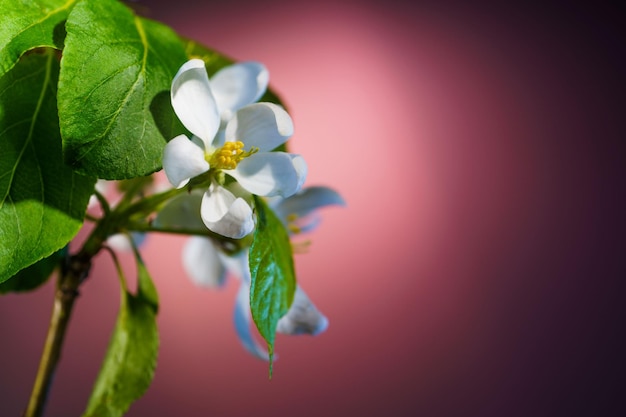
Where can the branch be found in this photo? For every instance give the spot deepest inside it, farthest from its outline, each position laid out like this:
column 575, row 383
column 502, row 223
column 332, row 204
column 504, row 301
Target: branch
column 74, row 271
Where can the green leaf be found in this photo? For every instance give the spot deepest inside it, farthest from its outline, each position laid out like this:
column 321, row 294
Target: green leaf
column 42, row 201
column 273, row 280
column 30, row 24
column 33, row 276
column 116, row 74
column 130, row 361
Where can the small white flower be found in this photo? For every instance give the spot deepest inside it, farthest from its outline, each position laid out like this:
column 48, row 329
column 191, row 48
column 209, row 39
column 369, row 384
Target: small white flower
column 208, row 265
column 251, row 131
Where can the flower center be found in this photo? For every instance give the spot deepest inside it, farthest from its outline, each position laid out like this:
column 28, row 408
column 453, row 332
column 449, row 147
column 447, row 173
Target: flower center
column 229, row 155
column 292, row 225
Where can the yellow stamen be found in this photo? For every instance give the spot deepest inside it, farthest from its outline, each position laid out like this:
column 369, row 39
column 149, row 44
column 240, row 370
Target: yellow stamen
column 229, row 155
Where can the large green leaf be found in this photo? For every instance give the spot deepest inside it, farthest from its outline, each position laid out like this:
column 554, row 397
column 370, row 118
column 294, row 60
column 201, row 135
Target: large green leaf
column 116, row 74
column 129, row 364
column 42, row 201
column 273, row 280
column 33, row 276
column 28, row 24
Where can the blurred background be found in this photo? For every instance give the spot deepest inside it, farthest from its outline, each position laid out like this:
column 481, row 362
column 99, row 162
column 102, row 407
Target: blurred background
column 478, row 267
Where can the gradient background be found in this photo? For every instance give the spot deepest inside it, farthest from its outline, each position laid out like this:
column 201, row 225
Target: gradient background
column 478, row 267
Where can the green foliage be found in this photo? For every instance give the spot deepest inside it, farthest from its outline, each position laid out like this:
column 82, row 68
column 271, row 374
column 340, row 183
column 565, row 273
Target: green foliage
column 129, row 364
column 42, row 201
column 116, row 73
column 273, row 280
column 33, row 276
column 18, row 34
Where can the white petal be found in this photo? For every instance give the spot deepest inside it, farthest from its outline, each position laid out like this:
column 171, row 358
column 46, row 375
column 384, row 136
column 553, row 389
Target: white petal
column 183, row 160
column 202, row 264
column 306, row 201
column 237, row 265
column 238, row 85
column 243, row 323
column 120, row 241
column 225, row 214
column 182, row 212
column 301, row 168
column 193, row 101
column 262, row 125
column 268, row 174
column 302, row 318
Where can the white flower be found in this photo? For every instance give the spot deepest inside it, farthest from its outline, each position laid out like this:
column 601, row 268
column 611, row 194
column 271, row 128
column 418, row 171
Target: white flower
column 250, row 132
column 207, row 264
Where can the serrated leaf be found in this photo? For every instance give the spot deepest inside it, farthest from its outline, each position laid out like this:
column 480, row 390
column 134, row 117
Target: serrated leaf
column 42, row 201
column 130, row 361
column 33, row 276
column 30, row 24
column 273, row 280
column 116, row 73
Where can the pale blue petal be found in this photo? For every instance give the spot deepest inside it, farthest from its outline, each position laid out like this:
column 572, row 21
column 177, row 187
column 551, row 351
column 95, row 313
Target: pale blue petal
column 237, row 264
column 307, row 201
column 225, row 214
column 193, row 101
column 202, row 263
column 238, row 85
column 243, row 324
column 262, row 125
column 183, row 160
column 267, row 174
column 302, row 318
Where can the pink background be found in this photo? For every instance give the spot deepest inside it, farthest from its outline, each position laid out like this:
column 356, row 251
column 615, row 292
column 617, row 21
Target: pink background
column 474, row 270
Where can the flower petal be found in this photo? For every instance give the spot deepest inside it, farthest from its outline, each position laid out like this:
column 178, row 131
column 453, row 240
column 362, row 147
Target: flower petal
column 268, row 174
column 238, row 85
column 183, row 160
column 302, row 318
column 307, row 201
column 193, row 101
column 262, row 125
column 202, row 263
column 237, row 264
column 243, row 323
column 225, row 214
column 301, row 169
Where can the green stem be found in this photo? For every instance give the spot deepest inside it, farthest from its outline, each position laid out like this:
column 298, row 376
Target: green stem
column 72, row 274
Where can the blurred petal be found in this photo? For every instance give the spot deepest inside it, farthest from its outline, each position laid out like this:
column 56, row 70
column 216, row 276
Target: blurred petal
column 262, row 125
column 193, row 101
column 243, row 324
column 225, row 214
column 306, row 201
column 182, row 212
column 183, row 160
column 267, row 174
column 202, row 264
column 238, row 85
column 302, row 318
column 237, row 265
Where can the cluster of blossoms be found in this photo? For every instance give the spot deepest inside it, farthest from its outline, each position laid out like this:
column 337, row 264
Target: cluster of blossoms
column 231, row 156
column 234, row 136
